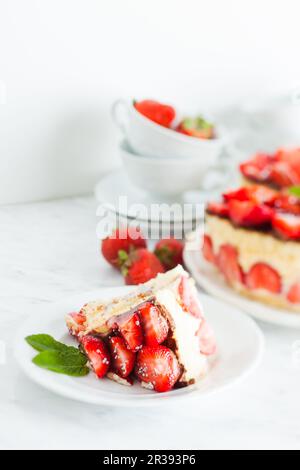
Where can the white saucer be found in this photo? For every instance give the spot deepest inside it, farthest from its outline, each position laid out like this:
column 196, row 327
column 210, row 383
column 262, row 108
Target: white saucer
column 240, row 346
column 212, row 282
column 116, row 184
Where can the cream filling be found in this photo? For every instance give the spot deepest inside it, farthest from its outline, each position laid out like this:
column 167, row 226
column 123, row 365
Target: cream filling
column 254, row 247
column 185, row 335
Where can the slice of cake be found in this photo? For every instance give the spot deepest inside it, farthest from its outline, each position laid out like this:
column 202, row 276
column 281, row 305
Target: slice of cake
column 279, row 170
column 156, row 334
column 253, row 238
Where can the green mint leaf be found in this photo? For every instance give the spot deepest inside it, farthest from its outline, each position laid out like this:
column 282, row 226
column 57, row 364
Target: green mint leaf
column 63, row 362
column 47, row 343
column 295, row 191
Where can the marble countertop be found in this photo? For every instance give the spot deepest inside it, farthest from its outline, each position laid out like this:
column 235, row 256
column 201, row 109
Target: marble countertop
column 48, row 251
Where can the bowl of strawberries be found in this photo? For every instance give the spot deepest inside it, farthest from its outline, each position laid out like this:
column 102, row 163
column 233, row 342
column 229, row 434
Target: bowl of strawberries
column 154, row 129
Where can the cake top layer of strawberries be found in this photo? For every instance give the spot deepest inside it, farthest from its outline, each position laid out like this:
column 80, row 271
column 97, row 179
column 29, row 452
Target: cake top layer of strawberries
column 262, row 208
column 280, row 170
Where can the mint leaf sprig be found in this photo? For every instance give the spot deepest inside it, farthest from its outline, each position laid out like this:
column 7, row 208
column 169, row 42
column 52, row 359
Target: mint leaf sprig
column 58, row 357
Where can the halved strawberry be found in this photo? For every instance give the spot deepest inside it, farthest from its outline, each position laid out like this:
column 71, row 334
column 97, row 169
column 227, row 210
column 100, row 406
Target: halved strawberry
column 208, row 345
column 288, row 203
column 262, row 276
column 293, row 294
column 122, row 358
column 207, row 249
column 227, row 261
column 249, row 214
column 283, row 174
column 256, row 194
column 218, row 208
column 131, row 331
column 97, row 354
column 287, row 225
column 189, row 302
column 155, row 326
column 257, row 168
column 157, row 366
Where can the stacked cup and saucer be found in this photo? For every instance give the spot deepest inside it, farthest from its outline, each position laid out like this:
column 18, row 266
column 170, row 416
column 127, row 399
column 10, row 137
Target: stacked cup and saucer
column 166, row 176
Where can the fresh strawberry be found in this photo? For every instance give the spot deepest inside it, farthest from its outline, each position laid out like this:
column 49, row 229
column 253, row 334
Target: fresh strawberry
column 258, row 168
column 208, row 345
column 188, row 300
column 97, row 354
column 255, row 194
column 207, row 249
column 155, row 326
column 293, row 294
column 131, row 330
column 287, row 225
column 169, row 252
column 227, row 261
column 157, row 366
column 241, row 194
column 140, row 266
column 262, row 276
column 292, row 158
column 122, row 358
column 218, row 208
column 249, row 214
column 196, row 127
column 288, row 203
column 121, row 240
column 160, row 113
column 283, row 174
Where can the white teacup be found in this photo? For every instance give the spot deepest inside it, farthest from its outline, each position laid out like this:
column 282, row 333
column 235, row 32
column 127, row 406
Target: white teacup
column 172, row 176
column 152, row 140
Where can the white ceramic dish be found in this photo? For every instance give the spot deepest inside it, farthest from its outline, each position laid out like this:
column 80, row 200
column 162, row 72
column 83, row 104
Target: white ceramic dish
column 156, row 215
column 240, row 344
column 150, row 139
column 212, row 281
column 172, row 176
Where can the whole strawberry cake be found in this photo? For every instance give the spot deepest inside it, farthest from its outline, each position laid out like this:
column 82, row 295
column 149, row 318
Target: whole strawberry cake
column 253, row 238
column 156, row 335
column 278, row 170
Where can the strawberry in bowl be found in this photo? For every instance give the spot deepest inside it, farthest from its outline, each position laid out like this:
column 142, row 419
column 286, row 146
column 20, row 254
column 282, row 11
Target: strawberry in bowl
column 252, row 237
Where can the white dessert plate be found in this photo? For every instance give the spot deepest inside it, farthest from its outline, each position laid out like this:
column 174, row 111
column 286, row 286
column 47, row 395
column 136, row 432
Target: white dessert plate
column 213, row 283
column 240, row 348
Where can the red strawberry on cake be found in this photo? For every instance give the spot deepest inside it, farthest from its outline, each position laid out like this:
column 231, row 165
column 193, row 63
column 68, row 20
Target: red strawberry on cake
column 156, row 335
column 279, row 170
column 253, row 238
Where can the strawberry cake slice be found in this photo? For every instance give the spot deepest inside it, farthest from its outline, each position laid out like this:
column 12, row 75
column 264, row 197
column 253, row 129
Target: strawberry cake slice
column 157, row 334
column 279, row 170
column 253, row 237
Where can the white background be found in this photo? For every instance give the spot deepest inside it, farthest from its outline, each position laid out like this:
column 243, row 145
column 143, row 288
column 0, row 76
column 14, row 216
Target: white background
column 63, row 62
